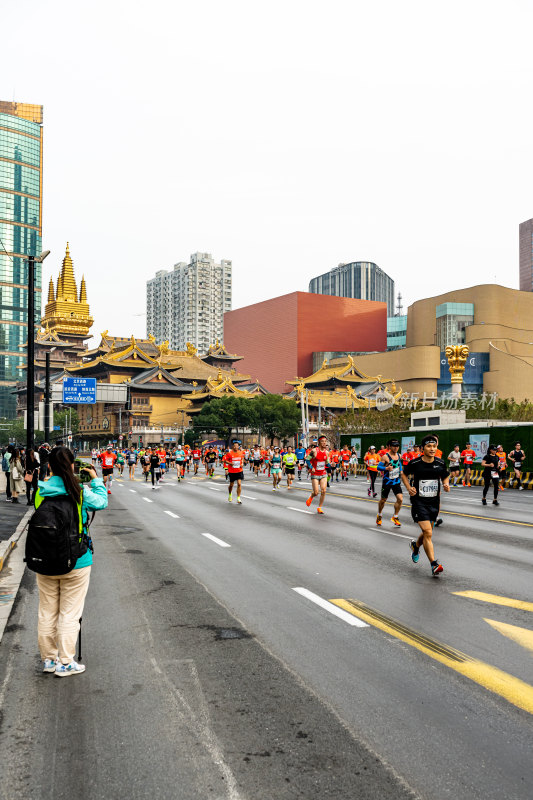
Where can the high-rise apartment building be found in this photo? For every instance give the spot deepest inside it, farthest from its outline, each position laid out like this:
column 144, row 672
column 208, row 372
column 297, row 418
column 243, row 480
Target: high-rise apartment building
column 525, row 236
column 187, row 303
column 21, row 159
column 361, row 280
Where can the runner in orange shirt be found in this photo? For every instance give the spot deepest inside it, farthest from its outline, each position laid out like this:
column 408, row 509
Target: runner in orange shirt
column 234, row 461
column 372, row 460
column 334, row 459
column 468, row 455
column 108, row 464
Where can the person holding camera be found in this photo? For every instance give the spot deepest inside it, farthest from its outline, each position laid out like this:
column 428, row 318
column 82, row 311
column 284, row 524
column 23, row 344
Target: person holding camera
column 62, row 597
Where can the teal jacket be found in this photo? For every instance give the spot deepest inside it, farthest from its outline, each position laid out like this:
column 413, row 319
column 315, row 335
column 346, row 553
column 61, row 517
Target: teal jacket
column 94, row 499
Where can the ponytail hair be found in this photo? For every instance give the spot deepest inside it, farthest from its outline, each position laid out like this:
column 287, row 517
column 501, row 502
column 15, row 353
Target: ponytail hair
column 61, row 460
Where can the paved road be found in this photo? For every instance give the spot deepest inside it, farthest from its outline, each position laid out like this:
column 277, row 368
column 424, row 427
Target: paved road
column 211, row 637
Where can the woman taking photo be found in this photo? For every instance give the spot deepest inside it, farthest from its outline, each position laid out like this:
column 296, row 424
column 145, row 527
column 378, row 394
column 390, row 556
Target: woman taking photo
column 61, row 597
column 16, row 476
column 31, row 474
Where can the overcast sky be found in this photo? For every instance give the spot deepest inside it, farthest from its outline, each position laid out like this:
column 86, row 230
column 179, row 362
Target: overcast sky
column 285, row 136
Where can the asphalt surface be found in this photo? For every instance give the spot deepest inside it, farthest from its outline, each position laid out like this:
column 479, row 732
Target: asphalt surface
column 216, row 668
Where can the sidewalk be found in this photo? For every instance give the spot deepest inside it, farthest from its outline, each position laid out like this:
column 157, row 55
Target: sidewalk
column 11, row 516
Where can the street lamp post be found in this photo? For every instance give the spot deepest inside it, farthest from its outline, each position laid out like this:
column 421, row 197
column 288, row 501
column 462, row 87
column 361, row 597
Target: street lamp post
column 30, row 366
column 47, row 395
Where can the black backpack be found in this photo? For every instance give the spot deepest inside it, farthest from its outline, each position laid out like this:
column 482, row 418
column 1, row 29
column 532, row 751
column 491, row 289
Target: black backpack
column 54, row 541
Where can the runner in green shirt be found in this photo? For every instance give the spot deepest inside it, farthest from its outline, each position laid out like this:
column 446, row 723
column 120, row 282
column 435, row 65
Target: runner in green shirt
column 289, row 462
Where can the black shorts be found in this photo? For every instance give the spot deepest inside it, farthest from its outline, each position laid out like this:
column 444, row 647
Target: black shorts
column 235, row 476
column 289, row 470
column 396, row 488
column 107, row 471
column 456, row 468
column 424, row 512
column 257, row 462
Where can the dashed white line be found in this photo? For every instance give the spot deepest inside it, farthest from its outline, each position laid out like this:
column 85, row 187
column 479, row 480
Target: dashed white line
column 247, row 496
column 214, row 488
column 301, row 510
column 134, row 491
column 171, row 514
column 147, row 500
column 389, row 533
column 217, row 541
column 335, row 610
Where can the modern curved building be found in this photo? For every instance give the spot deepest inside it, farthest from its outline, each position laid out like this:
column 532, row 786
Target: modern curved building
column 361, row 280
column 21, row 156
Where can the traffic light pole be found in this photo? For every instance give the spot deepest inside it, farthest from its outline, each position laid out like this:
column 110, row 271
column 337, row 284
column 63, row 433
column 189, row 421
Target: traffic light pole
column 30, row 365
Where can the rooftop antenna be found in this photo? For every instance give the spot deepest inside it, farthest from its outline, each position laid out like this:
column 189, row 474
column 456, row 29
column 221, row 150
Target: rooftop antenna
column 399, row 307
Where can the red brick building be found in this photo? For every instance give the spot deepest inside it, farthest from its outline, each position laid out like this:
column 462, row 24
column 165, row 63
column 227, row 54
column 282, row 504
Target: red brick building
column 277, row 338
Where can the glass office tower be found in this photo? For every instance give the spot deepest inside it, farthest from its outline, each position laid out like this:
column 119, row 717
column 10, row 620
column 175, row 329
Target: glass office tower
column 21, row 159
column 363, row 280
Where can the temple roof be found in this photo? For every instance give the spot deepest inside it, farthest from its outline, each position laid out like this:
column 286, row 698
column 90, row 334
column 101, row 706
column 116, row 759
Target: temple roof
column 218, row 352
column 158, row 378
column 340, row 370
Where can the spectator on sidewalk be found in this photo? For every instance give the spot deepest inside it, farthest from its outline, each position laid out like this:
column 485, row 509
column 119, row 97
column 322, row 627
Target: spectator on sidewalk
column 16, row 476
column 44, row 453
column 62, row 597
column 31, row 475
column 6, row 457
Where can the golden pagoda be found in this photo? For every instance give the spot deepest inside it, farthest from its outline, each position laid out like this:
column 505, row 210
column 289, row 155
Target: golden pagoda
column 67, row 311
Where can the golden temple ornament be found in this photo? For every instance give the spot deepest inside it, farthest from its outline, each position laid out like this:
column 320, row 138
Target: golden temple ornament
column 457, row 355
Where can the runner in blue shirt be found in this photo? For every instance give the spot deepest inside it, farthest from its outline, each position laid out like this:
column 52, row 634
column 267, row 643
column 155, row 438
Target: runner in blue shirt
column 300, row 455
column 391, row 468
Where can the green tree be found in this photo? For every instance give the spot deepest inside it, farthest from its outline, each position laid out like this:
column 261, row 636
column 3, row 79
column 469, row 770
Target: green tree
column 370, row 420
column 224, row 415
column 276, row 416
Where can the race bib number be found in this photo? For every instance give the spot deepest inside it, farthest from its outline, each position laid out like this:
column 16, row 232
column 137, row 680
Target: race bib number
column 320, row 465
column 236, row 463
column 518, row 465
column 394, row 474
column 494, row 474
column 428, row 488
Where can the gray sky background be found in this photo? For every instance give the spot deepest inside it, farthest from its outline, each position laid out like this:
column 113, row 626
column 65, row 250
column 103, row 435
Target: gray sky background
column 286, row 136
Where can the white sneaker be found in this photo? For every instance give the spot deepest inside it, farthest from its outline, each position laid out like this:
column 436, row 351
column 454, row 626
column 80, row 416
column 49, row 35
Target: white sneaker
column 239, row 500
column 69, row 669
column 520, row 488
column 49, row 665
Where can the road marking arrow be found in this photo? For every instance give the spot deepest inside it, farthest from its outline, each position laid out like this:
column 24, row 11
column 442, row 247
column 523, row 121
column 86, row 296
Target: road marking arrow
column 522, row 636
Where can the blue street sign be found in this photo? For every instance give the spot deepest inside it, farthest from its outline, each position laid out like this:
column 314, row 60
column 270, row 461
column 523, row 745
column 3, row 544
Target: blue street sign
column 57, row 427
column 79, row 390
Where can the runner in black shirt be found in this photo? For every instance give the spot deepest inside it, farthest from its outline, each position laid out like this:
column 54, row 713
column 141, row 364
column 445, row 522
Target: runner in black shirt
column 516, row 458
column 491, row 464
column 422, row 478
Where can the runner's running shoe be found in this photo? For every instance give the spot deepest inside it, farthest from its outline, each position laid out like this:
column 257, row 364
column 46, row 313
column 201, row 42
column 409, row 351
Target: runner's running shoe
column 495, row 503
column 378, row 519
column 415, row 555
column 438, row 522
column 436, row 568
column 239, row 500
column 229, row 498
column 320, row 510
column 396, row 522
column 309, row 501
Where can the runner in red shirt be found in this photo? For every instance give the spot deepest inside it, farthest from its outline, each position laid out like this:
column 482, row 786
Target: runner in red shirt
column 319, row 477
column 334, row 460
column 196, row 457
column 234, row 461
column 108, row 459
column 345, row 462
column 469, row 456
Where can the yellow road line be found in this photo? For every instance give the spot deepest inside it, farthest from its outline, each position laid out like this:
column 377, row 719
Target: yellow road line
column 497, row 600
column 451, row 513
column 522, row 636
column 512, row 689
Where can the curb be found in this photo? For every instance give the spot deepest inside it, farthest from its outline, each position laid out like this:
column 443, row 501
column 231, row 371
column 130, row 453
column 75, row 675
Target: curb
column 7, row 547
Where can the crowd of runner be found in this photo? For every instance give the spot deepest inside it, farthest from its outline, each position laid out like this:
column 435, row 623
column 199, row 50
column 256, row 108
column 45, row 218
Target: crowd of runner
column 422, row 470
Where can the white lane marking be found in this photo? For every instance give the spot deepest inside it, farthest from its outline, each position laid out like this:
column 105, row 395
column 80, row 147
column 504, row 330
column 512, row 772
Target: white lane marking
column 248, row 497
column 389, row 533
column 134, row 491
column 214, row 488
column 335, row 610
column 171, row 514
column 147, row 500
column 301, row 510
column 214, row 539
